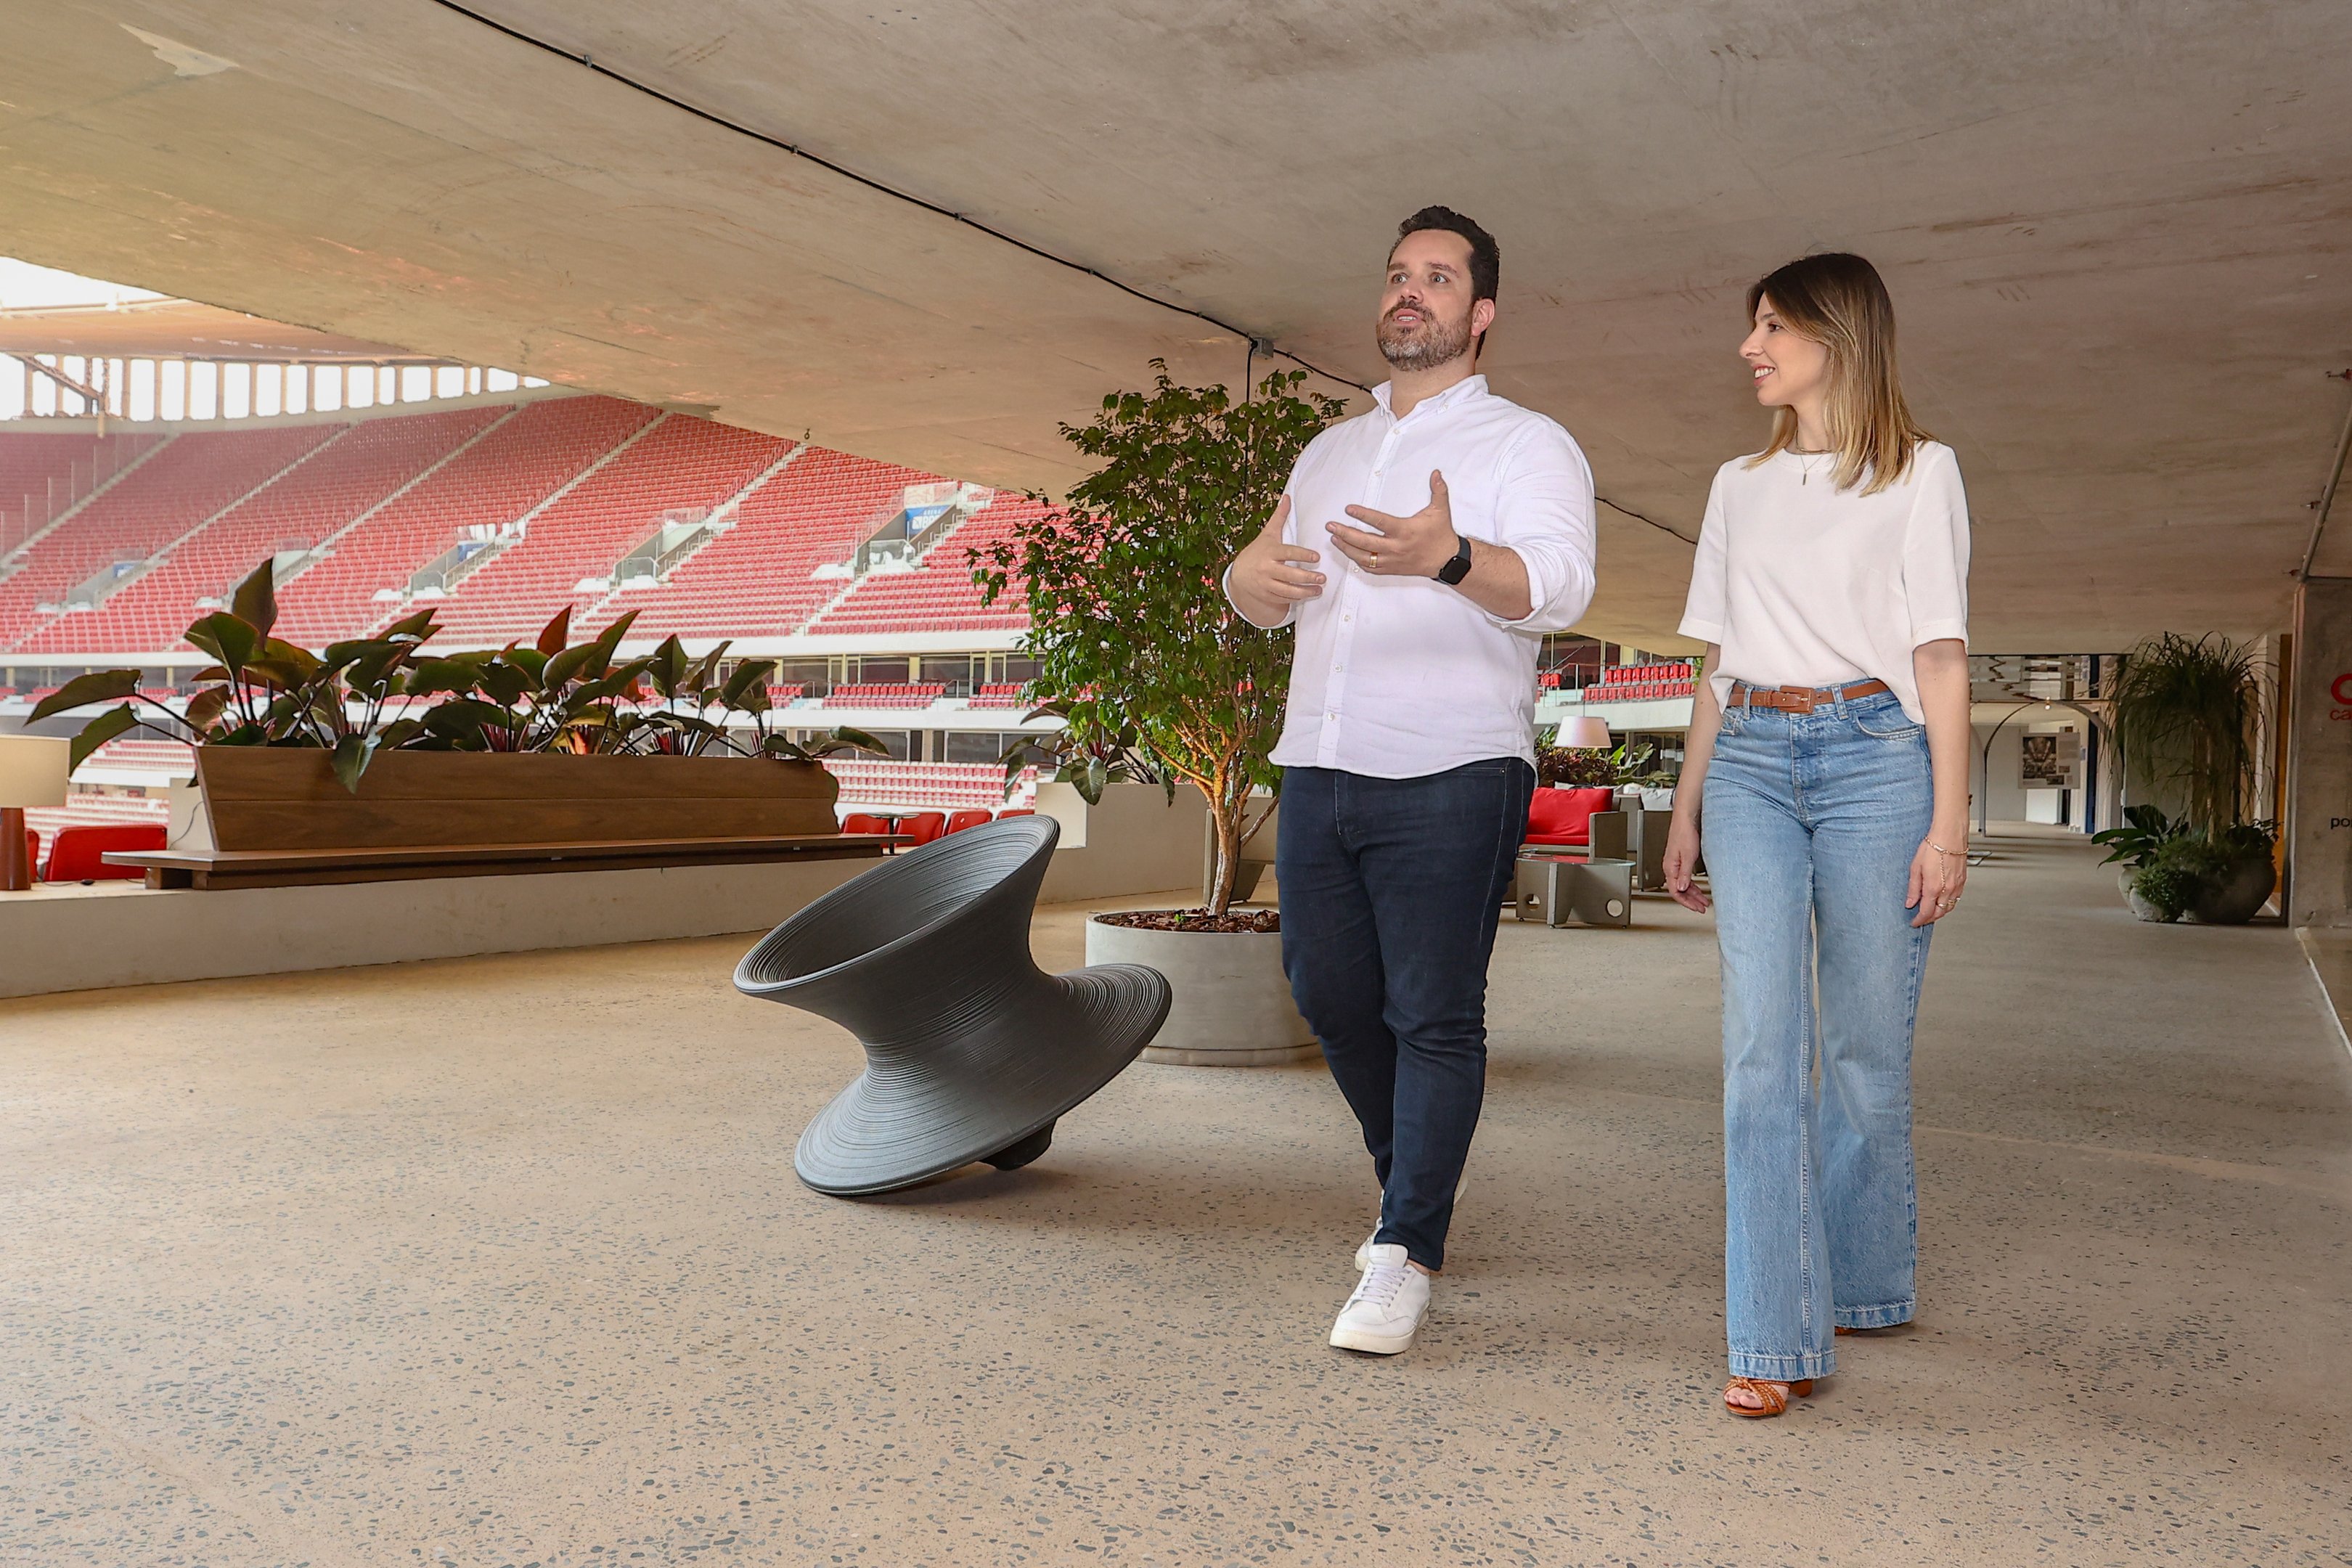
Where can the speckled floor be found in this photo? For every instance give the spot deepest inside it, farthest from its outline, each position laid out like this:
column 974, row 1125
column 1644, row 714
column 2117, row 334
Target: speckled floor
column 501, row 1261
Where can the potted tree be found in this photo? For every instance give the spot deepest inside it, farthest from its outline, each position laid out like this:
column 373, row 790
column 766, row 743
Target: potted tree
column 2186, row 715
column 1141, row 656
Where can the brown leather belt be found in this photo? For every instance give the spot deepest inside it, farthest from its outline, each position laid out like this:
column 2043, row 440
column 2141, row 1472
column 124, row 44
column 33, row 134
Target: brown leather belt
column 1801, row 699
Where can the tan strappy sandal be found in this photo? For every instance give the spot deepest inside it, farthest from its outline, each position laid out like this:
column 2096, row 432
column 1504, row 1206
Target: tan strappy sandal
column 1774, row 1394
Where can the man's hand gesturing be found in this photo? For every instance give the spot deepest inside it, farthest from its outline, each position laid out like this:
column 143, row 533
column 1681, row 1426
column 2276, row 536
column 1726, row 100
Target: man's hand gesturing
column 1414, row 546
column 1270, row 577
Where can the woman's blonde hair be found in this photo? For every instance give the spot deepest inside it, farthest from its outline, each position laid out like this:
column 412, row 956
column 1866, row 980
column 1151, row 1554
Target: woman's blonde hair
column 1838, row 301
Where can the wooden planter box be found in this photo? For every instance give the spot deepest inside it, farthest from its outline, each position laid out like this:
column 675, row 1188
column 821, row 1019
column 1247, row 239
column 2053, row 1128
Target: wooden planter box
column 278, row 818
column 283, row 799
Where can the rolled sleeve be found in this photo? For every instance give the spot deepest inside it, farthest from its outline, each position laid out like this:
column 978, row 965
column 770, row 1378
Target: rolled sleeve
column 1544, row 515
column 1704, row 610
column 1935, row 554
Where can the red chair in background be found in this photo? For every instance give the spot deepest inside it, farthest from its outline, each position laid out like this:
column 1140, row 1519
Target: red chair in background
column 1562, row 818
column 959, row 820
column 1015, row 811
column 859, row 822
column 33, row 852
column 75, row 855
column 924, row 825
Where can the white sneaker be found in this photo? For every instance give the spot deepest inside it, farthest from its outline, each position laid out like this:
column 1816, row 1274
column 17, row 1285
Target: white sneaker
column 1364, row 1252
column 1382, row 1315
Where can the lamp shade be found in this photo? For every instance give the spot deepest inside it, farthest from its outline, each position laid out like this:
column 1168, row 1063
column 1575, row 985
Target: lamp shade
column 33, row 769
column 1584, row 733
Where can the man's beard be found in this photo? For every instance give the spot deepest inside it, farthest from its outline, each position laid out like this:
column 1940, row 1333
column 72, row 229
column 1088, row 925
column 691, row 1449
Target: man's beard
column 1436, row 343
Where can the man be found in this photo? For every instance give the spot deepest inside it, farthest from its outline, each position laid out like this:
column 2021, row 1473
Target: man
column 1423, row 549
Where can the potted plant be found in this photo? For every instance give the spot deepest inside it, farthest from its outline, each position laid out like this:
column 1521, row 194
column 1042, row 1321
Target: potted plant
column 349, row 748
column 1146, row 662
column 2146, row 831
column 2187, row 713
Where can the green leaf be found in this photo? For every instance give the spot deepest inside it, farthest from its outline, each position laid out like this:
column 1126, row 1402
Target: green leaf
column 226, row 637
column 411, row 628
column 97, row 732
column 205, row 709
column 452, row 675
column 352, row 754
column 98, row 685
column 255, row 600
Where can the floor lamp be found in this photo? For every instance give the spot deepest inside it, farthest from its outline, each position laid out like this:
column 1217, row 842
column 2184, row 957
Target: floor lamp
column 33, row 771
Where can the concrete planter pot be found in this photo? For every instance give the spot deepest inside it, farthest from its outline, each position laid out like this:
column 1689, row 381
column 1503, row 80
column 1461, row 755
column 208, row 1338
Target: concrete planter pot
column 1231, row 1005
column 2237, row 897
column 2140, row 907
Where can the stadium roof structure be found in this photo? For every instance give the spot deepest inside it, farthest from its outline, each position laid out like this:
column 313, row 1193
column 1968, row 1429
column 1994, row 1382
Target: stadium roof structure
column 2118, row 235
column 184, row 329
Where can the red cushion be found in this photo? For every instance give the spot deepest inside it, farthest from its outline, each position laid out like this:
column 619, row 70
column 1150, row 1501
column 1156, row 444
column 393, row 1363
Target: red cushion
column 860, row 821
column 924, row 825
column 1565, row 815
column 959, row 820
column 74, row 858
column 1015, row 811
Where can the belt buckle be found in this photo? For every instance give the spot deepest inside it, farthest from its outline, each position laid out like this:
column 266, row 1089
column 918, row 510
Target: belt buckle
column 1798, row 699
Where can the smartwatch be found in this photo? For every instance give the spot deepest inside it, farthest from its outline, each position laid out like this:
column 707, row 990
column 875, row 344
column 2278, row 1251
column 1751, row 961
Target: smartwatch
column 1453, row 571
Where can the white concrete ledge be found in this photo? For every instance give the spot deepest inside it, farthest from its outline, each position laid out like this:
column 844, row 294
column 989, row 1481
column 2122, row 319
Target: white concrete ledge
column 74, row 937
column 78, row 939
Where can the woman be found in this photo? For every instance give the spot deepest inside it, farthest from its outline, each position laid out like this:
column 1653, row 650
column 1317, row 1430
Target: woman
column 1827, row 773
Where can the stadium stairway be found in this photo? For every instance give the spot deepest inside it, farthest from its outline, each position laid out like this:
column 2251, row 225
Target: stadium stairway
column 343, row 478
column 143, row 513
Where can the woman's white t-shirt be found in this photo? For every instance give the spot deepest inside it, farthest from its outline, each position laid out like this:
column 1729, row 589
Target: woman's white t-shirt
column 1801, row 583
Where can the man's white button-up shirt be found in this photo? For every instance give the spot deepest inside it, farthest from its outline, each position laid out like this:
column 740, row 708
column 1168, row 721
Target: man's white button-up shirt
column 1402, row 676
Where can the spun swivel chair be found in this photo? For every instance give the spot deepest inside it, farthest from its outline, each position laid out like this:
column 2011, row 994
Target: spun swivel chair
column 971, row 1052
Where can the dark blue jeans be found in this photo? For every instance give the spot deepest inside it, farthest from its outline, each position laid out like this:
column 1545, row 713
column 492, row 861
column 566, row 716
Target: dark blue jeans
column 1390, row 893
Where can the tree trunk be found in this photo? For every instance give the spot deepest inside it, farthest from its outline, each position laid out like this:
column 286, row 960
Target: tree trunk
column 1224, row 819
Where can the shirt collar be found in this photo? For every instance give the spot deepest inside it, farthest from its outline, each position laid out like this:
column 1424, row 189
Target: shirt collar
column 1461, row 391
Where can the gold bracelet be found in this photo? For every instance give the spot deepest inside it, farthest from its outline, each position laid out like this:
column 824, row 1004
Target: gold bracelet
column 1941, row 850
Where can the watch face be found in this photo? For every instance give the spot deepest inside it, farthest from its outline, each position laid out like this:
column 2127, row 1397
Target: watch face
column 1453, row 571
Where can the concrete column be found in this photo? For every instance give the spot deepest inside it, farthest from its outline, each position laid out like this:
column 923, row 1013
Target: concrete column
column 2318, row 824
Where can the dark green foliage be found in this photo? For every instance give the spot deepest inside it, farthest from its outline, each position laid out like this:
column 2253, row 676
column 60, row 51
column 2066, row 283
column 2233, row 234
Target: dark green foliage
column 551, row 697
column 2185, row 714
column 2147, row 830
column 1136, row 646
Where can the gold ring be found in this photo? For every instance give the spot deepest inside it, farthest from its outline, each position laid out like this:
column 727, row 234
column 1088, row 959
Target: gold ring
column 1376, row 557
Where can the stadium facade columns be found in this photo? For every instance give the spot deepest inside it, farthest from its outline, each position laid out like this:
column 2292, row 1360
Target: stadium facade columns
column 2320, row 756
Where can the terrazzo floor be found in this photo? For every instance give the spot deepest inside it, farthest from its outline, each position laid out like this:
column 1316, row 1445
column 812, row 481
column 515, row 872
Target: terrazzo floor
column 501, row 1261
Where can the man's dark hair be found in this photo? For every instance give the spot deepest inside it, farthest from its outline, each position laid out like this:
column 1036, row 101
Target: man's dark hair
column 1486, row 258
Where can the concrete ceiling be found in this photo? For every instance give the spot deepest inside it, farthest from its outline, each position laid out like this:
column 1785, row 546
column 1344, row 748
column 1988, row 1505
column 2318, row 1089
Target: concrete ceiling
column 2118, row 233
column 174, row 329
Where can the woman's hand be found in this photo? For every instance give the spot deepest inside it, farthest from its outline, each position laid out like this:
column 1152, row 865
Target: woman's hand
column 1938, row 875
column 1681, row 860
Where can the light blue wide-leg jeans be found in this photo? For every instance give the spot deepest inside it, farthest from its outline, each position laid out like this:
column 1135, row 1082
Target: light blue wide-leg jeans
column 1810, row 824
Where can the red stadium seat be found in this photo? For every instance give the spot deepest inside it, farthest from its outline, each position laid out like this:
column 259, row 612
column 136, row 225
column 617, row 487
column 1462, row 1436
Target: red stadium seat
column 863, row 822
column 924, row 825
column 969, row 818
column 1564, row 816
column 75, row 856
column 1015, row 811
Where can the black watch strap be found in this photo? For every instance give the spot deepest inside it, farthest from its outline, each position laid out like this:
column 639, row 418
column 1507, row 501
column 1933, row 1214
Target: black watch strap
column 1453, row 571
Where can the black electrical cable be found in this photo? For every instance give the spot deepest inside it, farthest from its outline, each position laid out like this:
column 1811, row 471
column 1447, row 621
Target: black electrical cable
column 822, row 162
column 1254, row 344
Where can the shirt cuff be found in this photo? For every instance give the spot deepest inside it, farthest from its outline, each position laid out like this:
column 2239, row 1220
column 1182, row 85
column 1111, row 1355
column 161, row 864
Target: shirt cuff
column 1289, row 612
column 1939, row 631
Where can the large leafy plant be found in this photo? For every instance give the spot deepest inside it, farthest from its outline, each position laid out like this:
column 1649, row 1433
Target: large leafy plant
column 1136, row 646
column 551, row 696
column 2186, row 713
